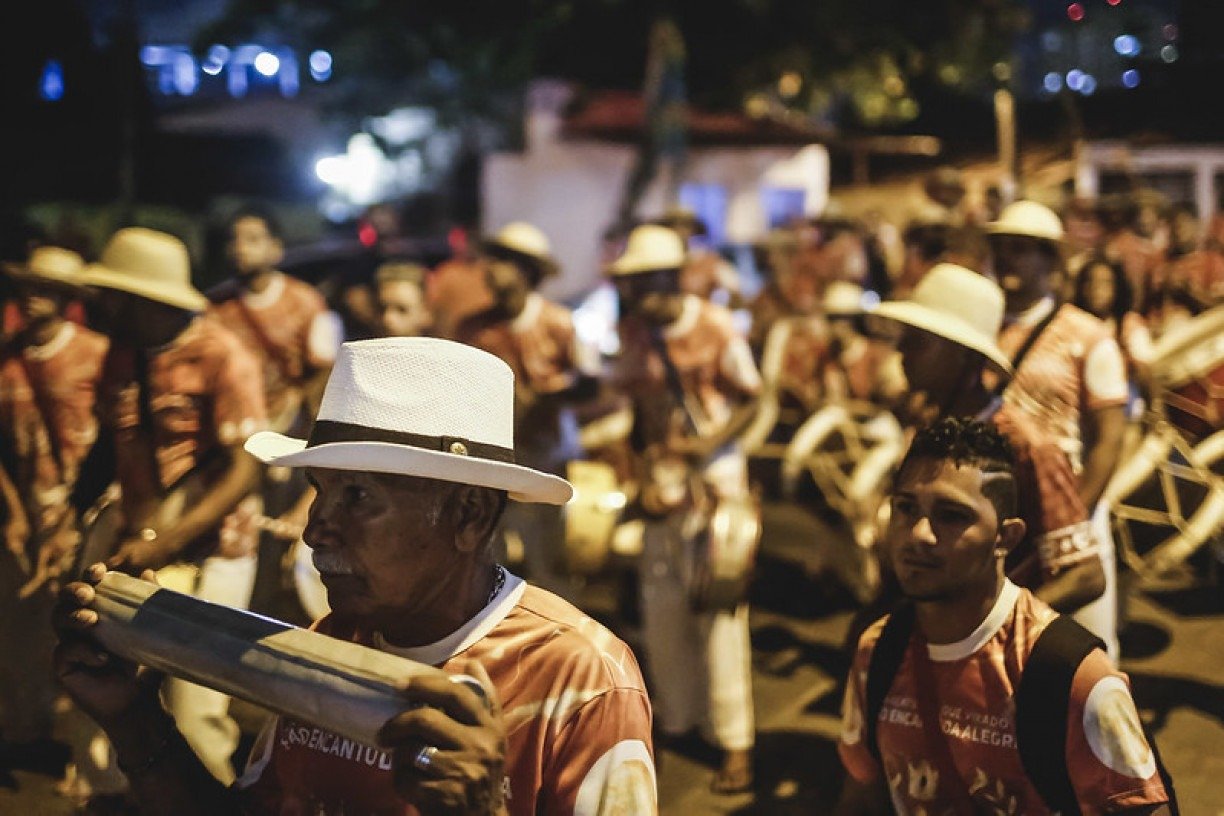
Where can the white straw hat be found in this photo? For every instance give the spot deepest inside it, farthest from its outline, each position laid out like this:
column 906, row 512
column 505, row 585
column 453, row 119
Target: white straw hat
column 49, row 265
column 525, row 242
column 957, row 304
column 147, row 263
column 1030, row 219
column 417, row 406
column 650, row 248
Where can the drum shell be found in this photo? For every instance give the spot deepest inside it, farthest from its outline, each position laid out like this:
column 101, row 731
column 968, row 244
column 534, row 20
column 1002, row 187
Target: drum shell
column 721, row 558
column 1188, row 373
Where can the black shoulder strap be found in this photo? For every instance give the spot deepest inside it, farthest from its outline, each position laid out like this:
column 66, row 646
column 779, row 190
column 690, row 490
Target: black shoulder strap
column 1042, row 702
column 882, row 669
column 1029, row 342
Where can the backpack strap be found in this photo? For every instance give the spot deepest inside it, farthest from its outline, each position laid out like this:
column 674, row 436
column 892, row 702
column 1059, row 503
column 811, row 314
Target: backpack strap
column 1042, row 702
column 882, row 669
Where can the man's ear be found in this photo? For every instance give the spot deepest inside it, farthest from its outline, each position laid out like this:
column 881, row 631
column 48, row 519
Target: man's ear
column 1011, row 533
column 477, row 511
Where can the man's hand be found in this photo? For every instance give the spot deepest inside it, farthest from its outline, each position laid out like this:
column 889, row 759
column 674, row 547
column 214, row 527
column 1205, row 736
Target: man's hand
column 137, row 555
column 464, row 774
column 103, row 685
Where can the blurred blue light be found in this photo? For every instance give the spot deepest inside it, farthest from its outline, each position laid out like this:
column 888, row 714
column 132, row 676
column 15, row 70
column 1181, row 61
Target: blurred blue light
column 1127, row 45
column 267, row 63
column 1088, row 86
column 1053, row 82
column 320, row 63
column 51, row 84
column 1130, row 78
column 153, row 55
column 1051, row 41
column 215, row 60
column 1075, row 79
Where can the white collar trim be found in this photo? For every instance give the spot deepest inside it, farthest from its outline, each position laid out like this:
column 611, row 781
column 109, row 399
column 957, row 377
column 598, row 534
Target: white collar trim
column 459, row 641
column 530, row 314
column 53, row 346
column 988, row 628
column 269, row 296
column 687, row 321
column 1035, row 313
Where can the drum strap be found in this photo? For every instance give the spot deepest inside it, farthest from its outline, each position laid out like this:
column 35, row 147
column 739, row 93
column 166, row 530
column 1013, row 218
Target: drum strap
column 1028, row 344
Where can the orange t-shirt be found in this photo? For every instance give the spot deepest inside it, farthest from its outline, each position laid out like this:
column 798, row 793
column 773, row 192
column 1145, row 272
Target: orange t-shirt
column 1108, row 759
column 293, row 316
column 61, row 378
column 205, row 394
column 1075, row 367
column 541, row 348
column 573, row 702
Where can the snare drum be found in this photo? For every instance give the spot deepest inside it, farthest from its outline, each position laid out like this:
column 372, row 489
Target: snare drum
column 1188, row 373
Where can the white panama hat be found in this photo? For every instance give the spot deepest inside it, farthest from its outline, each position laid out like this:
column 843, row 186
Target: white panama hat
column 1030, row 219
column 956, row 304
column 650, row 248
column 417, row 406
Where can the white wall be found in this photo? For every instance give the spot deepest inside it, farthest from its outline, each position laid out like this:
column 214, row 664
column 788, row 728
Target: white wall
column 571, row 191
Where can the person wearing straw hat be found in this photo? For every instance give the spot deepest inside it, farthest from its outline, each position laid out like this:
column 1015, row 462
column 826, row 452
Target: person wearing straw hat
column 178, row 396
column 690, row 379
column 706, row 274
column 945, row 333
column 1070, row 373
column 552, row 370
column 412, row 455
column 48, row 374
column 1073, row 377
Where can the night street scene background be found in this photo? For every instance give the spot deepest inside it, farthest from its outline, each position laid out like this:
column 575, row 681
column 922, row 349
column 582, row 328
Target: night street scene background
column 388, row 130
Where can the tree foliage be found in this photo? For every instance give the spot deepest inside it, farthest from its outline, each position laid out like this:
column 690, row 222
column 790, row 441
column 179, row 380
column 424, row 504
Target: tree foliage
column 848, row 62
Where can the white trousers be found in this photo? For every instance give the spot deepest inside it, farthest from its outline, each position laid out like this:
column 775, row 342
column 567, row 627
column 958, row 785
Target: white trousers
column 699, row 664
column 1101, row 616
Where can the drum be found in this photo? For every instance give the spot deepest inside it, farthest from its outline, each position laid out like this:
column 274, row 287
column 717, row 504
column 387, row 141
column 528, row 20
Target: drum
column 1188, row 374
column 1166, row 501
column 591, row 516
column 721, row 558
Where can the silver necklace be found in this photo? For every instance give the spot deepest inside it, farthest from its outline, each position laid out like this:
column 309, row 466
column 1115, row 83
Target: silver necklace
column 499, row 581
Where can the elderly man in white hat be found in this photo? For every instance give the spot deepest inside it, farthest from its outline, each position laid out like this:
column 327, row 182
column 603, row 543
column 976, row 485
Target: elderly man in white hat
column 412, row 455
column 552, row 371
column 689, row 376
column 946, row 334
column 178, row 396
column 48, row 374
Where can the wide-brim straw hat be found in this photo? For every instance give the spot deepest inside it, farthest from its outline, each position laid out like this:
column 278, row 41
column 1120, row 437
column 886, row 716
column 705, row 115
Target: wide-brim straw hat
column 49, row 266
column 524, row 243
column 147, row 263
column 417, row 406
column 650, row 248
column 956, row 304
column 1029, row 219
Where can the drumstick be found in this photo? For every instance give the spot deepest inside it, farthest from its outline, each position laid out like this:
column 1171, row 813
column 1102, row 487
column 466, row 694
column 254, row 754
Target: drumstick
column 344, row 687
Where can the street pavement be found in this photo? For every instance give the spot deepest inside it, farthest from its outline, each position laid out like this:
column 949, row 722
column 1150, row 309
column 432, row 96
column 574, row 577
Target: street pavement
column 1173, row 651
